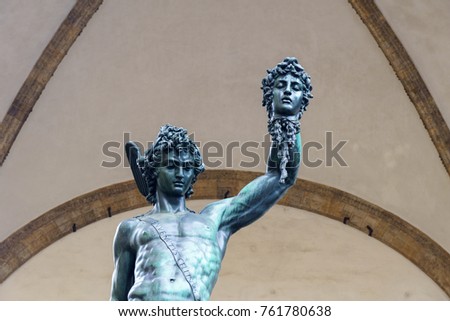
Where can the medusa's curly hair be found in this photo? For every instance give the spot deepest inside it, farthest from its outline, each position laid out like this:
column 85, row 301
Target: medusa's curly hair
column 291, row 66
column 175, row 138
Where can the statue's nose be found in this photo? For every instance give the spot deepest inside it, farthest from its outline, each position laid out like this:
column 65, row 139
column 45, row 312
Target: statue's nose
column 179, row 171
column 287, row 92
column 288, row 89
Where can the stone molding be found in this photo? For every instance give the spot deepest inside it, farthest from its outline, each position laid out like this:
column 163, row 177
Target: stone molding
column 408, row 75
column 42, row 71
column 333, row 203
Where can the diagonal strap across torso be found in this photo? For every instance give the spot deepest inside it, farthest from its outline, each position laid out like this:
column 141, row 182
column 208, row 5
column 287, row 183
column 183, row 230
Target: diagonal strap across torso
column 176, row 256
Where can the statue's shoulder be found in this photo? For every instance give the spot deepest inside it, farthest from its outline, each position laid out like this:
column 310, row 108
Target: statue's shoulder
column 128, row 225
column 216, row 208
column 125, row 233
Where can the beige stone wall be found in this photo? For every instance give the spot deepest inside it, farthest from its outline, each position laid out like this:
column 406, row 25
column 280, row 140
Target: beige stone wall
column 422, row 28
column 26, row 28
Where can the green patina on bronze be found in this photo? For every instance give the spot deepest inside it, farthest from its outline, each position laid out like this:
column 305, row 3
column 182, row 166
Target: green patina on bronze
column 172, row 253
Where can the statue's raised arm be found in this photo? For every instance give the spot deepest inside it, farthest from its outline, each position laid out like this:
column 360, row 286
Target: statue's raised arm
column 286, row 94
column 172, row 253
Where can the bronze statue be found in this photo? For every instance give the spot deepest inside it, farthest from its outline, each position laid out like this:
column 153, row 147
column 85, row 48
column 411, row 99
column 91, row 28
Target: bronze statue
column 172, row 253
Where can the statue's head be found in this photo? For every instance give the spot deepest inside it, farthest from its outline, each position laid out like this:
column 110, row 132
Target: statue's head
column 172, row 154
column 288, row 68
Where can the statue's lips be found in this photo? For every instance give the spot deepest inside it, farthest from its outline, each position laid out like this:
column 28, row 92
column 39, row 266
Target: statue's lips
column 286, row 100
column 178, row 183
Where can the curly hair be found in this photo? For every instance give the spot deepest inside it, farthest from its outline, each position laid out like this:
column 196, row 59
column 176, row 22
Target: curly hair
column 169, row 138
column 291, row 66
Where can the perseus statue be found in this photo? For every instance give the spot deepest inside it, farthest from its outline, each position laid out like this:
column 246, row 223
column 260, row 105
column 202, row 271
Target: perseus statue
column 172, row 253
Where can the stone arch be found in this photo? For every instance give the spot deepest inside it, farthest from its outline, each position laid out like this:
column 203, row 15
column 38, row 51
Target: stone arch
column 328, row 201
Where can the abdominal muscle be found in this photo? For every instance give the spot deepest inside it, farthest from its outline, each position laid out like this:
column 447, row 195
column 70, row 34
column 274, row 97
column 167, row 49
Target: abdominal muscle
column 157, row 277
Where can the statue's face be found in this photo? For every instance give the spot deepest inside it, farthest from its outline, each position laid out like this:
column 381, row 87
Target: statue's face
column 175, row 175
column 287, row 96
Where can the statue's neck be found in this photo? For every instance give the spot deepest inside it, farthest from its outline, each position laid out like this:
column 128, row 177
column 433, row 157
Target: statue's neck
column 292, row 118
column 169, row 204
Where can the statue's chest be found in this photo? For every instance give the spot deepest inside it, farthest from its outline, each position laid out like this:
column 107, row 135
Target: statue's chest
column 187, row 226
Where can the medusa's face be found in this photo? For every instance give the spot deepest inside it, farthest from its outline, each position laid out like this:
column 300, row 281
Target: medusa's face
column 287, row 96
column 175, row 175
